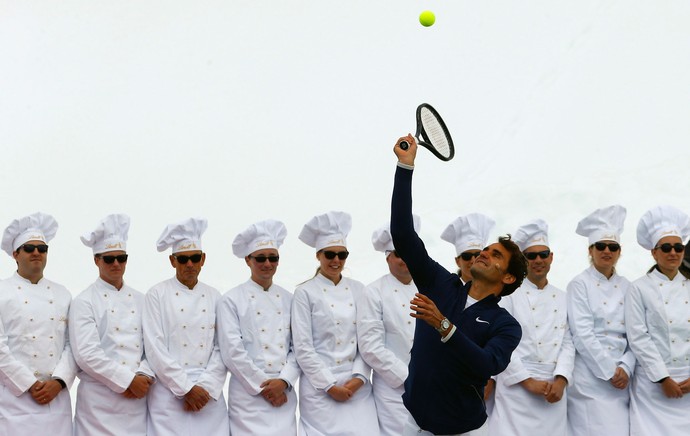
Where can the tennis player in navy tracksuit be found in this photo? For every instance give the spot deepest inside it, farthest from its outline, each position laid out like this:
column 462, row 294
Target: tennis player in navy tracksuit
column 465, row 337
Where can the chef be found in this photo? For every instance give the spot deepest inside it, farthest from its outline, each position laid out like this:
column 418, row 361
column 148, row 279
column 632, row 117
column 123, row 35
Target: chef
column 598, row 395
column 385, row 332
column 469, row 235
column 106, row 337
column 255, row 339
column 533, row 387
column 36, row 363
column 657, row 318
column 180, row 342
column 334, row 392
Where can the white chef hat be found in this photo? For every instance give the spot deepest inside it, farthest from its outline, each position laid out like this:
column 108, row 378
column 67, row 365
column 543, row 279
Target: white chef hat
column 183, row 236
column 110, row 234
column 35, row 227
column 662, row 221
column 382, row 240
column 469, row 232
column 604, row 224
column 535, row 232
column 327, row 230
column 258, row 236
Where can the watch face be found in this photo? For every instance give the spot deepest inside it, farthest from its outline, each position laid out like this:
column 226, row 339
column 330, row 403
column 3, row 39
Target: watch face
column 445, row 324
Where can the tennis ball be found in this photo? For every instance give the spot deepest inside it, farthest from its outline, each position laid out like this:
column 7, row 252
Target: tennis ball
column 427, row 18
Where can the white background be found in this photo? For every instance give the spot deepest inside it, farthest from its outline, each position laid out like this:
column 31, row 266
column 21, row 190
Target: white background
column 242, row 110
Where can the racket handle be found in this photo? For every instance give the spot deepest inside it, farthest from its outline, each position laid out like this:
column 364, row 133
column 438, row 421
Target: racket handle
column 404, row 145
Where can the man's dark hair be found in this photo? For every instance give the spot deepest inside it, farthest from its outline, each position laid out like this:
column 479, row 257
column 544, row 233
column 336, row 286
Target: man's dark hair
column 517, row 266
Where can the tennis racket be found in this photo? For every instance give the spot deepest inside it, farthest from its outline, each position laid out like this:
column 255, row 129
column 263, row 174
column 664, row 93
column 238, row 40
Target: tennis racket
column 432, row 133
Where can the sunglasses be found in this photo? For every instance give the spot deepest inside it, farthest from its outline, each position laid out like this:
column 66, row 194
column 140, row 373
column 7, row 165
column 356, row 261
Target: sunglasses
column 542, row 254
column 667, row 247
column 183, row 259
column 330, row 255
column 29, row 248
column 469, row 256
column 613, row 246
column 121, row 258
column 261, row 258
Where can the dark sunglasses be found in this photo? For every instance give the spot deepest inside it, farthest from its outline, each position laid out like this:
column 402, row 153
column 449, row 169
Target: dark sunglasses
column 330, row 255
column 613, row 246
column 469, row 256
column 121, row 258
column 29, row 248
column 261, row 258
column 667, row 247
column 542, row 254
column 195, row 258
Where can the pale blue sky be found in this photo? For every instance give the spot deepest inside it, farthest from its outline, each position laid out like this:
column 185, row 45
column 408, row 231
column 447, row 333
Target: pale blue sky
column 245, row 110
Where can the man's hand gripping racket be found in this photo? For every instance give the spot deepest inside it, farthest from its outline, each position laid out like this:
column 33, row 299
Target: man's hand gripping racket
column 432, row 134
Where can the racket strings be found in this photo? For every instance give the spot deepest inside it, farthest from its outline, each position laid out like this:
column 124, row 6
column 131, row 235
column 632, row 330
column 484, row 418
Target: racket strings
column 435, row 133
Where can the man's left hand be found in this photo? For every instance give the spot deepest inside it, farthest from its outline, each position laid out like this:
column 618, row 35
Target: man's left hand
column 273, row 391
column 196, row 399
column 554, row 391
column 44, row 392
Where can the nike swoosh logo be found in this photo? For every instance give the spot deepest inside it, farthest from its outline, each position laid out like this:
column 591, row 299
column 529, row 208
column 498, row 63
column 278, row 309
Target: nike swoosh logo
column 481, row 320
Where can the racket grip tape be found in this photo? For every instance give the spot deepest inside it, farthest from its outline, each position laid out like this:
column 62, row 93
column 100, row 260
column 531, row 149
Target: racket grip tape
column 404, row 145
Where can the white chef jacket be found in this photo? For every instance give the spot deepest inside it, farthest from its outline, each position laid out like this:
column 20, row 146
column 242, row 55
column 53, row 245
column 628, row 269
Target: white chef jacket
column 657, row 318
column 34, row 345
column 596, row 317
column 181, row 348
column 256, row 345
column 324, row 333
column 545, row 351
column 385, row 331
column 108, row 345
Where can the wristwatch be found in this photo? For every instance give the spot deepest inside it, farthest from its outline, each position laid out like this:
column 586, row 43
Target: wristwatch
column 445, row 325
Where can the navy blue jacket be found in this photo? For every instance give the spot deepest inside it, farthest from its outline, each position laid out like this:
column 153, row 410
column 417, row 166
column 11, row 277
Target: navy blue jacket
column 444, row 390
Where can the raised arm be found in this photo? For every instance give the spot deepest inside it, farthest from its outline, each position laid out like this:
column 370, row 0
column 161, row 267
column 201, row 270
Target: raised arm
column 425, row 271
